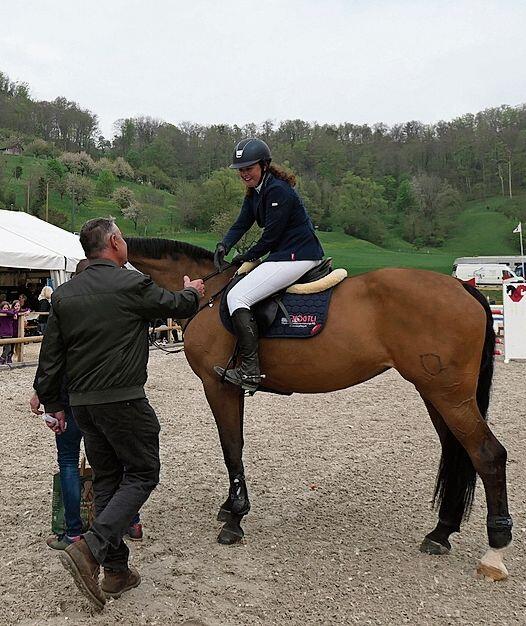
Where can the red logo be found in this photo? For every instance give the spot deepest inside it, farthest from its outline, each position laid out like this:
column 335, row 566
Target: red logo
column 516, row 292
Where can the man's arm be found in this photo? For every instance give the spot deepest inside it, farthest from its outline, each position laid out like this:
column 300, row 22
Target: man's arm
column 156, row 301
column 51, row 364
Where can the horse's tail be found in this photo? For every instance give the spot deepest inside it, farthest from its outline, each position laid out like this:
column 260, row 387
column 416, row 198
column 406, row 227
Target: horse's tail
column 456, row 475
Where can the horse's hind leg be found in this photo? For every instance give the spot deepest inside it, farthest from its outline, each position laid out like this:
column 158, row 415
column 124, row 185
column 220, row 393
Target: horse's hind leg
column 227, row 404
column 488, row 457
column 455, row 483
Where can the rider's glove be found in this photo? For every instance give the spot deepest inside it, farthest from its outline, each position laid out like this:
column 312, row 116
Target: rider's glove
column 239, row 258
column 219, row 256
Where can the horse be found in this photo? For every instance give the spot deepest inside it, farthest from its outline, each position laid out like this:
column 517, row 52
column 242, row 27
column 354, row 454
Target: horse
column 436, row 331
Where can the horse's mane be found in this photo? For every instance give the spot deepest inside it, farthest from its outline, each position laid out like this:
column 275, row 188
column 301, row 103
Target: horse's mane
column 155, row 248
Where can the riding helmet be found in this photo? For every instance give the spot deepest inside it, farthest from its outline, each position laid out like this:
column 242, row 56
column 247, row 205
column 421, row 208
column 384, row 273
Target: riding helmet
column 250, row 151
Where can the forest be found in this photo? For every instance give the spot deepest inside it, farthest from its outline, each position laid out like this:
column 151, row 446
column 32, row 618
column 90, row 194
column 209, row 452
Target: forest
column 367, row 181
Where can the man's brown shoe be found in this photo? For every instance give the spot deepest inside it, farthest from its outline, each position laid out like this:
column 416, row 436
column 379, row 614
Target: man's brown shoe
column 114, row 584
column 81, row 564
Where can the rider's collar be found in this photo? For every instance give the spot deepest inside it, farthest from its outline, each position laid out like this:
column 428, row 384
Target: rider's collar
column 263, row 180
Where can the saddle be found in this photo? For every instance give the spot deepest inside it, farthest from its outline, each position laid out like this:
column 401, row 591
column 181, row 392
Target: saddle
column 299, row 310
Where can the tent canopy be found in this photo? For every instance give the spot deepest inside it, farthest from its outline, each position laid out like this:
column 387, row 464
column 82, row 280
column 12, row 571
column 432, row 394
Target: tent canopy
column 27, row 242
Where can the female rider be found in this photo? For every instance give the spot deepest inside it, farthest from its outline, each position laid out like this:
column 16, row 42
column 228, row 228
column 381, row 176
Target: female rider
column 288, row 235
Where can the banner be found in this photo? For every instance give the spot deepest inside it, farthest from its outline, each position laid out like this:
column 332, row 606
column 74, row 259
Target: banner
column 514, row 303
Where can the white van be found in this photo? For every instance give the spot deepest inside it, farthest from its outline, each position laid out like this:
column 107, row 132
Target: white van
column 495, row 275
column 487, row 273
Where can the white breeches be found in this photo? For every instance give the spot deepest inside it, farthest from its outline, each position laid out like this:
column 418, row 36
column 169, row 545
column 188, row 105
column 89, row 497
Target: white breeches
column 264, row 280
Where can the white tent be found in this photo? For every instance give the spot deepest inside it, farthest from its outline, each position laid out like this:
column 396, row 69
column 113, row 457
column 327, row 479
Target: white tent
column 27, row 242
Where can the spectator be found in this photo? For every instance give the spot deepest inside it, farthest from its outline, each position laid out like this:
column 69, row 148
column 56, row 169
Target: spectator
column 44, row 306
column 24, row 305
column 6, row 331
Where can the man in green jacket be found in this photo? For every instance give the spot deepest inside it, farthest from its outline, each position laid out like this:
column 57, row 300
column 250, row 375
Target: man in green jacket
column 97, row 336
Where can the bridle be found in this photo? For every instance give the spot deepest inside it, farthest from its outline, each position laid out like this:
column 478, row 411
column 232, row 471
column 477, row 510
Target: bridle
column 208, row 303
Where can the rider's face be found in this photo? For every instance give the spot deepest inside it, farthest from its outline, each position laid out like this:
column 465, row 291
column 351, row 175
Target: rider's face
column 251, row 175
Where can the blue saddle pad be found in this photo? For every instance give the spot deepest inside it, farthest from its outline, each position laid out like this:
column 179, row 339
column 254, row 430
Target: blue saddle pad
column 307, row 315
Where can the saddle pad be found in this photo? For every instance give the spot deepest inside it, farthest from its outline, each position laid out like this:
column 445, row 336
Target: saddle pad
column 307, row 312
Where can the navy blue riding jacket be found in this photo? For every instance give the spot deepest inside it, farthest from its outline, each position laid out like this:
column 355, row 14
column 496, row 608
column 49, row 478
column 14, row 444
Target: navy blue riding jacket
column 288, row 233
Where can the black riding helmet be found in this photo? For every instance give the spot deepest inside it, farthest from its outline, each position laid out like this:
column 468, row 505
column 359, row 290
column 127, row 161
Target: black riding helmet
column 250, row 151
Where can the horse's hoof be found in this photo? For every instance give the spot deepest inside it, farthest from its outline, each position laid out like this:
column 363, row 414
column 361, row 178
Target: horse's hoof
column 229, row 537
column 491, row 573
column 223, row 515
column 491, row 566
column 428, row 546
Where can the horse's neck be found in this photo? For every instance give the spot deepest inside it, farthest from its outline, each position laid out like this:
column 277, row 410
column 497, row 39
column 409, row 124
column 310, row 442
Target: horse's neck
column 169, row 273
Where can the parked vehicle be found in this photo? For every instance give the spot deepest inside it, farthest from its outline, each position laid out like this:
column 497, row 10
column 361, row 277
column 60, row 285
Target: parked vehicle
column 487, row 273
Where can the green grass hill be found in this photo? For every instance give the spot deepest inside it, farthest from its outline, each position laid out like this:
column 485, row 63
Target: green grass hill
column 480, row 229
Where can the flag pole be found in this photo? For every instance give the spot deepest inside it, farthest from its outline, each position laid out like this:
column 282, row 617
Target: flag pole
column 522, row 254
column 519, row 230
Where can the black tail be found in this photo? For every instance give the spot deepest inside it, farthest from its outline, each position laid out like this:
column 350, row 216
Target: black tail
column 455, row 486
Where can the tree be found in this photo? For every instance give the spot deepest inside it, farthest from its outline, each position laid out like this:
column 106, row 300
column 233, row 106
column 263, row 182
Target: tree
column 40, row 148
column 17, row 172
column 360, row 207
column 221, row 193
column 221, row 224
column 78, row 162
column 187, row 203
column 103, row 164
column 123, row 197
column 133, row 212
column 436, row 202
column 79, row 188
column 122, row 169
column 105, row 183
column 56, row 175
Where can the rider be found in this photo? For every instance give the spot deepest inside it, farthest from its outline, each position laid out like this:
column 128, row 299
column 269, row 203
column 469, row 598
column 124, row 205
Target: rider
column 288, row 235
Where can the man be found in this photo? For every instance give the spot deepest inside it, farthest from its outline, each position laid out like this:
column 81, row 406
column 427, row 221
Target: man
column 68, row 453
column 97, row 337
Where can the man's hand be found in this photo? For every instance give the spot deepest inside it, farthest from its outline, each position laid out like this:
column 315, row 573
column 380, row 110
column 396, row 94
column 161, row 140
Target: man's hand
column 34, row 403
column 60, row 426
column 196, row 284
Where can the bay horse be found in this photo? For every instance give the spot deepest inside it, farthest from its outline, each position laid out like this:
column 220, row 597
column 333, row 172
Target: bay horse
column 434, row 330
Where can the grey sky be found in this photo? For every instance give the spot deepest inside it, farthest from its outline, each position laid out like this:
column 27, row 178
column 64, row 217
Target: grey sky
column 237, row 61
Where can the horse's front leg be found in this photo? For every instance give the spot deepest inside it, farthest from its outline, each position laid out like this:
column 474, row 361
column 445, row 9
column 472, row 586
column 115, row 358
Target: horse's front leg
column 227, row 404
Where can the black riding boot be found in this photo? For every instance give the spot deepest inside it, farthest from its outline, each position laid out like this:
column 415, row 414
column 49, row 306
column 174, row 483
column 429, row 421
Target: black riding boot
column 247, row 374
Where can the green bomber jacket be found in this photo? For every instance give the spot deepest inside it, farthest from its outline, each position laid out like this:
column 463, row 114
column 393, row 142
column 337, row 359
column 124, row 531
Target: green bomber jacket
column 97, row 335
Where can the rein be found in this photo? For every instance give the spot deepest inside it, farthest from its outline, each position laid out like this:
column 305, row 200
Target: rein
column 208, row 303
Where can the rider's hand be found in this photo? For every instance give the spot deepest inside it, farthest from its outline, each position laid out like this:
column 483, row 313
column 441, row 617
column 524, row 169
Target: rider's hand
column 196, row 284
column 34, row 403
column 219, row 256
column 238, row 259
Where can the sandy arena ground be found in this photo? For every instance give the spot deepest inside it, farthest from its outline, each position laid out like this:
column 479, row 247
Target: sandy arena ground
column 340, row 487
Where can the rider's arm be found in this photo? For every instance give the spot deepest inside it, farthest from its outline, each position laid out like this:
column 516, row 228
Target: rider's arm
column 243, row 222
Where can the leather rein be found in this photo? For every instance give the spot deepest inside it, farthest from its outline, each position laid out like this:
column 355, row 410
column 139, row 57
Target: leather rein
column 208, row 303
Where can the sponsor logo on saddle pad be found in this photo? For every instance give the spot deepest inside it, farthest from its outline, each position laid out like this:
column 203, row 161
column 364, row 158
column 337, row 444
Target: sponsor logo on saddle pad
column 300, row 320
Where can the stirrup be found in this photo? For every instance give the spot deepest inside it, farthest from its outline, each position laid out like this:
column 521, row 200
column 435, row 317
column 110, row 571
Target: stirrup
column 249, row 388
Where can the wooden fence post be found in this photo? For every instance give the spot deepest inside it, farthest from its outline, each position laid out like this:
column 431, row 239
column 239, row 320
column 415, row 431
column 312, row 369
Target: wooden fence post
column 19, row 347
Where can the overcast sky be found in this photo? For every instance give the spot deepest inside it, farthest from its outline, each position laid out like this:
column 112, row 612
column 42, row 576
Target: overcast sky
column 234, row 61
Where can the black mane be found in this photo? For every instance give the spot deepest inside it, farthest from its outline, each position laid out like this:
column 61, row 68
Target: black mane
column 155, row 248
